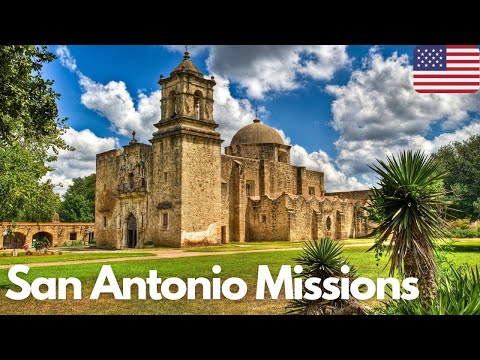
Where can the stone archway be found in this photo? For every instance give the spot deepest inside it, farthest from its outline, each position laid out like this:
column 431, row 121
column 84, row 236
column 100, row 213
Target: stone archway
column 132, row 232
column 15, row 241
column 43, row 234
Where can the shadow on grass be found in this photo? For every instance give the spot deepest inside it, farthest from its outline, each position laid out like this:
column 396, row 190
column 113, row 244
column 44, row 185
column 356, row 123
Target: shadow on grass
column 455, row 248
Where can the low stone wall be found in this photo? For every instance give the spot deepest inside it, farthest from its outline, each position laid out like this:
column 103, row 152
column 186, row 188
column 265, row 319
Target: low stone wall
column 57, row 233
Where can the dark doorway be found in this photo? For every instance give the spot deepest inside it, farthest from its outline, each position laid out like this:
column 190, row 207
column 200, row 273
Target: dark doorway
column 132, row 232
column 224, row 234
column 15, row 241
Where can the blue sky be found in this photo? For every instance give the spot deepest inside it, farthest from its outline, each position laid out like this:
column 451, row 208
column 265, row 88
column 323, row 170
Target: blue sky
column 340, row 107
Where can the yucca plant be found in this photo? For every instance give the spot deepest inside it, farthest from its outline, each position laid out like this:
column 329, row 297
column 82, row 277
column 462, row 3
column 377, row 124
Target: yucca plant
column 324, row 259
column 458, row 293
column 407, row 205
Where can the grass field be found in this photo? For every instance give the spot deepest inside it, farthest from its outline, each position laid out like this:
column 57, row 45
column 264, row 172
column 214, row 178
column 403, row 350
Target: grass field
column 242, row 265
column 22, row 259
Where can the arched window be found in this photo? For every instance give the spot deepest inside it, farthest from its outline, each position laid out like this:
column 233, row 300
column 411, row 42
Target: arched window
column 329, row 223
column 172, row 104
column 197, row 104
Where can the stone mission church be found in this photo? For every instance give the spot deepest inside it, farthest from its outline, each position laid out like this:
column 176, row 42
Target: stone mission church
column 181, row 191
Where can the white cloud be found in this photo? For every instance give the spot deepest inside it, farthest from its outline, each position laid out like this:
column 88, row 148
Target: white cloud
column 262, row 69
column 230, row 113
column 259, row 69
column 335, row 180
column 114, row 102
column 66, row 58
column 378, row 113
column 82, row 161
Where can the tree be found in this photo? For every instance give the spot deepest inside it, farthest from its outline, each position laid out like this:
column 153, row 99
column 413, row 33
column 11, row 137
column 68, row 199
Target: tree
column 462, row 161
column 30, row 133
column 408, row 205
column 79, row 200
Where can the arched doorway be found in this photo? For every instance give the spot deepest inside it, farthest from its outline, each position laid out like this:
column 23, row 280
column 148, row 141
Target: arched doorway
column 15, row 241
column 43, row 234
column 338, row 226
column 132, row 232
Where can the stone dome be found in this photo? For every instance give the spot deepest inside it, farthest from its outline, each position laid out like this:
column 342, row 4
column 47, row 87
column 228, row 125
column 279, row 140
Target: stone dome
column 257, row 133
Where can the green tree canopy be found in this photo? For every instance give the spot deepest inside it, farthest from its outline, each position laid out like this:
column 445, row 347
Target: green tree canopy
column 30, row 134
column 462, row 161
column 79, row 200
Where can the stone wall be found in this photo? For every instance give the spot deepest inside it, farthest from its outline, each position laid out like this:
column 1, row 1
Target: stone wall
column 268, row 219
column 166, row 194
column 107, row 167
column 56, row 233
column 352, row 195
column 201, row 191
column 296, row 218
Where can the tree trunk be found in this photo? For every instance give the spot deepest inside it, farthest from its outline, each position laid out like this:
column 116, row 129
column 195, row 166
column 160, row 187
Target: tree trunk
column 426, row 277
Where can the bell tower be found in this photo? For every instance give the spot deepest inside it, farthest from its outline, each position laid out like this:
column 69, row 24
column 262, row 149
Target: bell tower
column 187, row 161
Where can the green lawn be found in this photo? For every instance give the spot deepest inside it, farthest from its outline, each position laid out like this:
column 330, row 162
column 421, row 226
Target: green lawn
column 242, row 265
column 247, row 246
column 42, row 258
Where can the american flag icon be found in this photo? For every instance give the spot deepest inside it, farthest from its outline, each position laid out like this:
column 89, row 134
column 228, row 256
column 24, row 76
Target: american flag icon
column 446, row 69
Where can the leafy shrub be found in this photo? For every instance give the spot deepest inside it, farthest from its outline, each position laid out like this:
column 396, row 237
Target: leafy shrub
column 462, row 224
column 465, row 233
column 149, row 243
column 323, row 259
column 458, row 293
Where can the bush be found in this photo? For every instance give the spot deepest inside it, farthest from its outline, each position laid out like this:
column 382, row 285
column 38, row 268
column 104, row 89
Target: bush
column 461, row 224
column 323, row 259
column 465, row 233
column 458, row 293
column 149, row 243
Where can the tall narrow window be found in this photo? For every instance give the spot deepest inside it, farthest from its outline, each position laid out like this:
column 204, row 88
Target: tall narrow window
column 311, row 191
column 197, row 104
column 104, row 221
column 165, row 220
column 172, row 106
column 131, row 181
column 250, row 188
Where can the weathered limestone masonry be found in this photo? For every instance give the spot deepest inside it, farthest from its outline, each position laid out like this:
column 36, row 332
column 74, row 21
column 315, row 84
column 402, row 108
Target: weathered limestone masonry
column 181, row 191
column 56, row 233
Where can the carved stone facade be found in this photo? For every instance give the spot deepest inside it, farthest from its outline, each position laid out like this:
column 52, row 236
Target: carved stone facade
column 180, row 191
